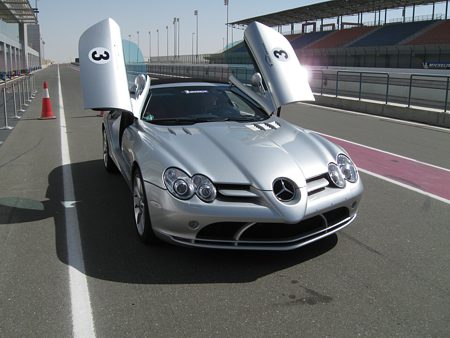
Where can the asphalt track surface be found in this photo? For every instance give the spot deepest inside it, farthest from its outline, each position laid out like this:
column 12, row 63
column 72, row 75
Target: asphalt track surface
column 387, row 274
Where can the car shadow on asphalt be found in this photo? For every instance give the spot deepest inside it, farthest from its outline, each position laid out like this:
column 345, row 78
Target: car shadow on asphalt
column 112, row 250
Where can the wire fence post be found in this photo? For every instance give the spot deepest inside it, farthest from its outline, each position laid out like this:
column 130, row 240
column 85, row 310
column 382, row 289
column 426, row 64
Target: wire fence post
column 28, row 89
column 24, row 99
column 387, row 88
column 410, row 86
column 321, row 82
column 5, row 109
column 360, row 85
column 446, row 94
column 16, row 117
column 337, row 82
column 32, row 91
column 20, row 96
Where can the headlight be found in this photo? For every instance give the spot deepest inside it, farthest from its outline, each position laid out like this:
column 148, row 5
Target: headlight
column 336, row 175
column 184, row 187
column 178, row 183
column 204, row 188
column 347, row 167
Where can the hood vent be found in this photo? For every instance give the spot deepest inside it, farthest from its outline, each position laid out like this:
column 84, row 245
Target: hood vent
column 180, row 131
column 263, row 126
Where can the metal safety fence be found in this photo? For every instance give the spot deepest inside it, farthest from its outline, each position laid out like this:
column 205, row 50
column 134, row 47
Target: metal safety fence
column 422, row 90
column 16, row 94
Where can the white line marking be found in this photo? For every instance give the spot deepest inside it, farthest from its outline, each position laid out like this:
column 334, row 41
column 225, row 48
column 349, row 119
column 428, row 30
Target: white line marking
column 383, row 151
column 82, row 320
column 68, row 204
column 405, row 186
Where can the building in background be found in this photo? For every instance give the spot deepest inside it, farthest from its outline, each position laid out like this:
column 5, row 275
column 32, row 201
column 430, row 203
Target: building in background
column 19, row 38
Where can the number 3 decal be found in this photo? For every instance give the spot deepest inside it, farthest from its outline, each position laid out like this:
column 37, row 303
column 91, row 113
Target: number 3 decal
column 99, row 55
column 280, row 54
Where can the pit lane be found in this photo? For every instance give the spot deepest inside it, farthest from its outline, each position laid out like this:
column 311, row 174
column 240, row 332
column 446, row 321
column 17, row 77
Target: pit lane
column 386, row 274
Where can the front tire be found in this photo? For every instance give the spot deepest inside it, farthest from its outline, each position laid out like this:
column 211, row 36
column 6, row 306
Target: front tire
column 142, row 221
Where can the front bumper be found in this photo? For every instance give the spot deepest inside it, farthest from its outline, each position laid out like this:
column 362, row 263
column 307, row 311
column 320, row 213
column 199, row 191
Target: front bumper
column 252, row 225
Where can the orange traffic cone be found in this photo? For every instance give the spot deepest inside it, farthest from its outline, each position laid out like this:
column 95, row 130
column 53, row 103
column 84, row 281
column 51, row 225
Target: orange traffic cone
column 47, row 112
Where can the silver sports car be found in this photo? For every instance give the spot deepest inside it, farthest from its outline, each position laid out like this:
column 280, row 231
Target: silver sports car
column 212, row 164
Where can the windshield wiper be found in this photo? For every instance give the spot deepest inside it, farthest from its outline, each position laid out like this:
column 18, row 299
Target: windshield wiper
column 244, row 118
column 175, row 121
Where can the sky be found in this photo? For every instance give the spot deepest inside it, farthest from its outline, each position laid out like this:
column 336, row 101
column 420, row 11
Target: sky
column 62, row 22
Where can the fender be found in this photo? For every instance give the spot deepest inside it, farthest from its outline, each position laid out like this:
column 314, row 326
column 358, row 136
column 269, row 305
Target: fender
column 102, row 68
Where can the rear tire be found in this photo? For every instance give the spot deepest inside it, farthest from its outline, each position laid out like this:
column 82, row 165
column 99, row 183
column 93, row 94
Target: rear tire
column 142, row 222
column 109, row 164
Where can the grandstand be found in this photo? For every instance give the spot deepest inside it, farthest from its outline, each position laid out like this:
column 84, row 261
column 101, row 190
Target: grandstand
column 410, row 43
column 341, row 38
column 392, row 34
column 438, row 34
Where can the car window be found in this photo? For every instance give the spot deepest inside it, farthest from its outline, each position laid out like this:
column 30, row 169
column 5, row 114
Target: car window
column 201, row 104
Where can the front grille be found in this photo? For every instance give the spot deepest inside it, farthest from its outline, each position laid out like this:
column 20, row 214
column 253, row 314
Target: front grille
column 281, row 231
column 240, row 232
column 335, row 216
column 220, row 231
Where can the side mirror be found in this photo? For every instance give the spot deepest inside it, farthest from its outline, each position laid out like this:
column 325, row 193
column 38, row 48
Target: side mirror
column 139, row 84
column 133, row 89
column 257, row 82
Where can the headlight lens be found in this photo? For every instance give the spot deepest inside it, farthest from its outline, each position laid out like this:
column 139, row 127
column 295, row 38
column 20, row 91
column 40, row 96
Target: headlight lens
column 204, row 188
column 184, row 187
column 178, row 183
column 347, row 167
column 336, row 175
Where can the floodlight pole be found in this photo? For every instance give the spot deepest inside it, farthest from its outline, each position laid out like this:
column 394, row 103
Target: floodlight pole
column 137, row 51
column 149, row 46
column 226, row 4
column 157, row 40
column 167, row 42
column 192, row 40
column 129, row 48
column 178, row 48
column 174, row 37
column 196, row 34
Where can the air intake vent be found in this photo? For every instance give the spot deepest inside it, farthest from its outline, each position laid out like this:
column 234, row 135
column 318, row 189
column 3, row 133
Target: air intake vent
column 263, row 126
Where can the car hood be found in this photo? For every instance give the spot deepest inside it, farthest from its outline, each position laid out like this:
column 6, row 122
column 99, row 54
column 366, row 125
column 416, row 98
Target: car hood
column 246, row 153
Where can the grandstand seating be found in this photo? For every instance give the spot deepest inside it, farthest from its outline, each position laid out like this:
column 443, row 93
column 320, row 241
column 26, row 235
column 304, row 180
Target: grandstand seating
column 292, row 37
column 341, row 38
column 438, row 34
column 391, row 34
column 306, row 39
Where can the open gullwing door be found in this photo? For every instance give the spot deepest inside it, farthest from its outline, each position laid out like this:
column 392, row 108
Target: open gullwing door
column 102, row 68
column 284, row 80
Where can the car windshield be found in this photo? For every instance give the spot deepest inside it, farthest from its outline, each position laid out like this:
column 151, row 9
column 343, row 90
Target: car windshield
column 195, row 104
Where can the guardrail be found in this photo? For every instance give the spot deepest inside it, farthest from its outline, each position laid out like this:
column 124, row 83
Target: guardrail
column 16, row 94
column 446, row 78
column 384, row 87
